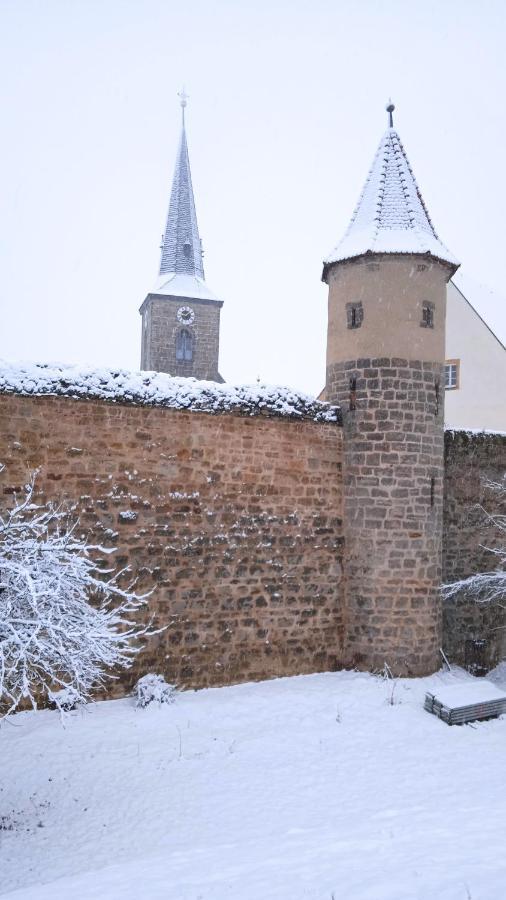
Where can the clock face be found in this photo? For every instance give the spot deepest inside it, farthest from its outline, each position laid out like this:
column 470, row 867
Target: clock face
column 186, row 315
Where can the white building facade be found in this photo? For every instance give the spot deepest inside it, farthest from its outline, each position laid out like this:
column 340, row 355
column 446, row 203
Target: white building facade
column 475, row 396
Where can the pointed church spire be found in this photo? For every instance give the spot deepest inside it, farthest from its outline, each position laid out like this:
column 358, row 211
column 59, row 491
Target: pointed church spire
column 390, row 216
column 181, row 245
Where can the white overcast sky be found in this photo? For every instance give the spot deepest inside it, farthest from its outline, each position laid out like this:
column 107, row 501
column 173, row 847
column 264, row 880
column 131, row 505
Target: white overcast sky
column 286, row 110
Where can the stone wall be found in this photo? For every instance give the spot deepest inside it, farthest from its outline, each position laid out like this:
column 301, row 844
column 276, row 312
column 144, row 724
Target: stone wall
column 235, row 520
column 473, row 635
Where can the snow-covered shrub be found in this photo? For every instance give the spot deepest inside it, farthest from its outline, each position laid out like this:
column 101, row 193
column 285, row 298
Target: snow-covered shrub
column 64, row 621
column 65, row 699
column 153, row 689
column 391, row 683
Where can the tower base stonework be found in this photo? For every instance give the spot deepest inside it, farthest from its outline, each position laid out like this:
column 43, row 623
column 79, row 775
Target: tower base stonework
column 393, row 458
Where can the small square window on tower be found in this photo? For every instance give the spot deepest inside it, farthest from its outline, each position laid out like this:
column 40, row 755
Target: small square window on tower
column 452, row 374
column 427, row 315
column 354, row 314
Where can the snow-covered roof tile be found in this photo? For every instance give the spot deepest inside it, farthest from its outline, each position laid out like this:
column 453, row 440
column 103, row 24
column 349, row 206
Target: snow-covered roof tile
column 191, row 286
column 181, row 264
column 390, row 216
column 158, row 389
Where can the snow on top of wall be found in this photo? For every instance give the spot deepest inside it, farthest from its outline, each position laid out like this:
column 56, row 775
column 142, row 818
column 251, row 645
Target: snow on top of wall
column 158, row 389
column 390, row 216
column 473, row 432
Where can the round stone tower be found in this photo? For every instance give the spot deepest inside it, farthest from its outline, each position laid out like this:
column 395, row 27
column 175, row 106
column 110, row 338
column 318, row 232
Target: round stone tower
column 385, row 366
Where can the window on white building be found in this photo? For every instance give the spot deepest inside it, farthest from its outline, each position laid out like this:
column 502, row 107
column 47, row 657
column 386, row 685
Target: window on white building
column 452, row 374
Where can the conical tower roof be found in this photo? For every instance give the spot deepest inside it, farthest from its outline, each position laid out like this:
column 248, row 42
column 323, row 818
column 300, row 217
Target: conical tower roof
column 181, row 264
column 391, row 216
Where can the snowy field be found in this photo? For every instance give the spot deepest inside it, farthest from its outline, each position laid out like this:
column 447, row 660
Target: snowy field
column 307, row 788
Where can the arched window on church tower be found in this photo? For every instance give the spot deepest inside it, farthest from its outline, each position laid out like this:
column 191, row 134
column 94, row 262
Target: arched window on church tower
column 184, row 345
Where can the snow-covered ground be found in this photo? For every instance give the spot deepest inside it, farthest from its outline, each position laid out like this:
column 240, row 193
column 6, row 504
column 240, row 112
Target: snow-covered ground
column 307, row 788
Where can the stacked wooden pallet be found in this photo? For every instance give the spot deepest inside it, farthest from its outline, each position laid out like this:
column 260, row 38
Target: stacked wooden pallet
column 466, row 702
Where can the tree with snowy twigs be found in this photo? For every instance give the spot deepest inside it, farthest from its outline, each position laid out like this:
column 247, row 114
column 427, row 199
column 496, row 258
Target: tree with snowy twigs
column 487, row 587
column 66, row 624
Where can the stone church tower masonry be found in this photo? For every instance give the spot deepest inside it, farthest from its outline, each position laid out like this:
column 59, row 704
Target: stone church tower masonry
column 385, row 355
column 180, row 315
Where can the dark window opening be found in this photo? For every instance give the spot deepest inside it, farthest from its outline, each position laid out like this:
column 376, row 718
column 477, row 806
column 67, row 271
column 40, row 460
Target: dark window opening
column 427, row 315
column 436, row 391
column 184, row 345
column 354, row 314
column 432, row 490
column 353, row 393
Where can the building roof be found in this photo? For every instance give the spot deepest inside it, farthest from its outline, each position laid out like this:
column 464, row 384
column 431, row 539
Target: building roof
column 190, row 286
column 488, row 305
column 181, row 244
column 390, row 216
column 181, row 264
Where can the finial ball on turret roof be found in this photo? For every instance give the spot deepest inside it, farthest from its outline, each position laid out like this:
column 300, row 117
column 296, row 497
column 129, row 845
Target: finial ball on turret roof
column 390, row 110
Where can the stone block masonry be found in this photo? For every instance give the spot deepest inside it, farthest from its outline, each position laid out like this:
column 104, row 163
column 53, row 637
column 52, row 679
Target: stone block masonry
column 474, row 635
column 161, row 326
column 266, row 558
column 234, row 519
column 393, row 501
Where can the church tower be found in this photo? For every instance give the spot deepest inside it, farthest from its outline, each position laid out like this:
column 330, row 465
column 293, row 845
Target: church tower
column 180, row 315
column 385, row 366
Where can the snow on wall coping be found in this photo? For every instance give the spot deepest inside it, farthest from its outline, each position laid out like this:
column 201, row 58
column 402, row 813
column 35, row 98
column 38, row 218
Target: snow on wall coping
column 158, row 389
column 473, row 432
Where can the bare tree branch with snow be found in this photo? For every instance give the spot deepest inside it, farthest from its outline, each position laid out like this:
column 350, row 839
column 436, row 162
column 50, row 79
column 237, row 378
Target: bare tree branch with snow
column 487, row 587
column 65, row 623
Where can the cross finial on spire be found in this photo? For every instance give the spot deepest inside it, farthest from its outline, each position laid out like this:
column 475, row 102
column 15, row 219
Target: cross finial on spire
column 183, row 97
column 390, row 110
